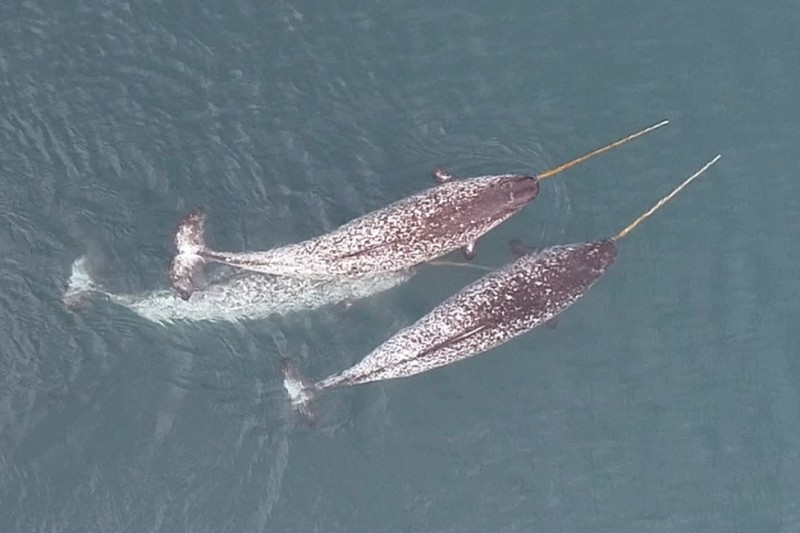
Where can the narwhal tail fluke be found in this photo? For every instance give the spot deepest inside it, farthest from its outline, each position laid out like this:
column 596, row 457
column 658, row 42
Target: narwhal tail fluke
column 301, row 392
column 81, row 284
column 186, row 268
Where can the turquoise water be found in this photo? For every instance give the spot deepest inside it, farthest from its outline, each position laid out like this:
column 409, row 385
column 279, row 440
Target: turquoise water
column 666, row 400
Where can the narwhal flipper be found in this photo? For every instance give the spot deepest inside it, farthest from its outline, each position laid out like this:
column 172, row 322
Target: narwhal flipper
column 469, row 250
column 440, row 175
column 186, row 269
column 520, row 248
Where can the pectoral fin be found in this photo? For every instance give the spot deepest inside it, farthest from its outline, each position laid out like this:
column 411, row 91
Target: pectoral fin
column 440, row 175
column 345, row 305
column 519, row 248
column 469, row 250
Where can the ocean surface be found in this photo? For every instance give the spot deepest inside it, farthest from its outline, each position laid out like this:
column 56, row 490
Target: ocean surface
column 668, row 399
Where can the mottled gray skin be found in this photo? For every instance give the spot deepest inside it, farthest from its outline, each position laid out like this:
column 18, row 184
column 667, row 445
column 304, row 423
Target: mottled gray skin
column 494, row 309
column 235, row 297
column 411, row 231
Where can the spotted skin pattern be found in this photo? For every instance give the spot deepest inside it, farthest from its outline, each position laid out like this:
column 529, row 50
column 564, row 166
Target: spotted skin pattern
column 494, row 309
column 411, row 231
column 237, row 297
column 530, row 291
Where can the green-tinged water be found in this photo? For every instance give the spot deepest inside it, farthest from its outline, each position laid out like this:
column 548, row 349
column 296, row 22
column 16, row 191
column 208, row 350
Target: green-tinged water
column 667, row 399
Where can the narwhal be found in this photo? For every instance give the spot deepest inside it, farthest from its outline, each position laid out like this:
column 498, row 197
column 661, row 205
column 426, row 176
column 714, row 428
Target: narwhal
column 499, row 306
column 406, row 233
column 233, row 295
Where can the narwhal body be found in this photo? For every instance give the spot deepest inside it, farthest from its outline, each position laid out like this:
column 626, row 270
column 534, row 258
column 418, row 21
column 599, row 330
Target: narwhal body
column 233, row 296
column 419, row 228
column 528, row 292
column 411, row 231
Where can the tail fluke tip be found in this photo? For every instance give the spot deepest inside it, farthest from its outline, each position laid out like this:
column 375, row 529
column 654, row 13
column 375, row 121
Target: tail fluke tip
column 184, row 272
column 80, row 284
column 186, row 268
column 299, row 391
